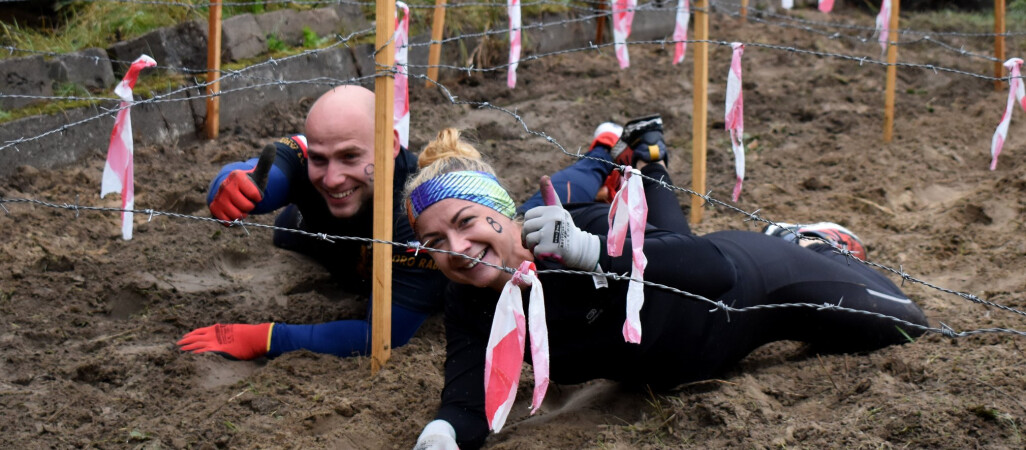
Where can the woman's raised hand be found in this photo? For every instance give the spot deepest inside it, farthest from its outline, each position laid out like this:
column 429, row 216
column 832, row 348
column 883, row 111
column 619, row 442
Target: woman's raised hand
column 549, row 232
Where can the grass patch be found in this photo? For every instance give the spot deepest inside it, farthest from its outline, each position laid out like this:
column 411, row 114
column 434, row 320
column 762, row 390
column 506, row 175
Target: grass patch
column 95, row 24
column 79, row 25
column 965, row 22
column 147, row 87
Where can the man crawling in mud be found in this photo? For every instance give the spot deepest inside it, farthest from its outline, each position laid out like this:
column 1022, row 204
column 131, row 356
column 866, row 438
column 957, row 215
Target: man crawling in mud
column 324, row 179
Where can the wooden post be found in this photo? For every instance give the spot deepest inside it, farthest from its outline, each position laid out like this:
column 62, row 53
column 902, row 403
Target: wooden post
column 700, row 99
column 892, row 72
column 600, row 24
column 744, row 10
column 435, row 53
column 999, row 43
column 384, row 165
column 212, row 122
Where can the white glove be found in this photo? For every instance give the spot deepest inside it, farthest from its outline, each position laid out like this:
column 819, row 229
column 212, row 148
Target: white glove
column 550, row 232
column 437, row 435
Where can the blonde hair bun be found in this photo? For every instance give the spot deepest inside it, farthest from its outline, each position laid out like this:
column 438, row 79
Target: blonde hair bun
column 447, row 145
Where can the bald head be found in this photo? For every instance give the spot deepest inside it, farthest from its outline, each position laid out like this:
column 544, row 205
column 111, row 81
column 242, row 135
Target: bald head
column 347, row 107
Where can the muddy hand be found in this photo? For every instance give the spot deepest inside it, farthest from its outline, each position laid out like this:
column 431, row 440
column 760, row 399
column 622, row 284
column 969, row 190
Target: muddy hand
column 548, row 192
column 549, row 232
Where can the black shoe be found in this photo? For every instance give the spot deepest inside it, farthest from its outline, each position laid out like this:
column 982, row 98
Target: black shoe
column 644, row 138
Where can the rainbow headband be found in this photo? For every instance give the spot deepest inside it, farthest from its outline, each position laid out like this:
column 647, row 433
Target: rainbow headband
column 478, row 187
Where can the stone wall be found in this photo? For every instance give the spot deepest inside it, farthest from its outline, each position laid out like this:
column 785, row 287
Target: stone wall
column 77, row 133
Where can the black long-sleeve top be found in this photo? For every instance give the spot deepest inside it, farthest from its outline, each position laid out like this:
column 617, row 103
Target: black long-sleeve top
column 585, row 323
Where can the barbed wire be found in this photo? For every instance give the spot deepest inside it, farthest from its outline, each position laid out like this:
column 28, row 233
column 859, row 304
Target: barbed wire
column 601, row 13
column 755, row 13
column 236, row 74
column 188, row 70
column 168, row 97
column 717, row 305
column 861, row 60
column 504, row 31
column 707, row 197
column 926, row 38
column 726, row 7
column 266, row 3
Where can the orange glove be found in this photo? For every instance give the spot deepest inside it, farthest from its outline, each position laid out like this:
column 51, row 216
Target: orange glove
column 236, row 196
column 241, row 190
column 233, row 341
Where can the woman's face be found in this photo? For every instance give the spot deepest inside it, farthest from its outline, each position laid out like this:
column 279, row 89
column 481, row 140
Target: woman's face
column 475, row 230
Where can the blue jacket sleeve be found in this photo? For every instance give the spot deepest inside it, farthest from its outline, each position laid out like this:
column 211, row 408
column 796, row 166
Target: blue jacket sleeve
column 342, row 337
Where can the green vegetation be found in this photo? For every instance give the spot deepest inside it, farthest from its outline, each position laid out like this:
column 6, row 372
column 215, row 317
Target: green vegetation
column 311, row 40
column 965, row 22
column 86, row 24
column 70, row 90
column 146, row 88
column 275, row 44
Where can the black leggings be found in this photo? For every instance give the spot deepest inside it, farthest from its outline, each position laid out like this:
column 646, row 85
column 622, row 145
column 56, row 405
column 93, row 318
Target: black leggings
column 773, row 271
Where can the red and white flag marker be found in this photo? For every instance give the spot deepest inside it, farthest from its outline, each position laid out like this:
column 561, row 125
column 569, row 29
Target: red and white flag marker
column 118, row 172
column 680, row 30
column 623, row 17
column 504, row 355
column 734, row 117
column 513, row 6
column 1016, row 91
column 883, row 24
column 401, row 103
column 630, row 207
column 539, row 332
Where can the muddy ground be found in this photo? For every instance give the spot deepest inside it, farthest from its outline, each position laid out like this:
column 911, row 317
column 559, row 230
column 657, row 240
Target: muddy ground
column 89, row 321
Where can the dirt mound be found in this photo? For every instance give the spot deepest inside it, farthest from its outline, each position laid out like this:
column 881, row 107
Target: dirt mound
column 89, row 321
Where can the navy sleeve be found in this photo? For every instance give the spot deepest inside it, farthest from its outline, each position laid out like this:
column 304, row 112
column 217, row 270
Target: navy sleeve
column 342, row 337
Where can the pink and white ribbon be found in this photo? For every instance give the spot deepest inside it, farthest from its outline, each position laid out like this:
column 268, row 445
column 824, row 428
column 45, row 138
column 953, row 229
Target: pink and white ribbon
column 513, row 6
column 118, row 173
column 505, row 352
column 401, row 103
column 680, row 30
column 630, row 207
column 826, row 6
column 734, row 117
column 539, row 331
column 883, row 24
column 623, row 17
column 1016, row 91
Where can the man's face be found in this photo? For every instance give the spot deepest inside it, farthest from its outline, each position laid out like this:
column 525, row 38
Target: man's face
column 341, row 168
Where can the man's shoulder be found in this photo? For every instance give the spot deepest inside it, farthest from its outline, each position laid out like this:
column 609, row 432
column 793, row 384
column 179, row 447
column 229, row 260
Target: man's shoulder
column 295, row 145
column 405, row 162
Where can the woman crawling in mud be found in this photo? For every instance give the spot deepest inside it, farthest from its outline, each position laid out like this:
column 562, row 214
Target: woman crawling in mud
column 457, row 205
